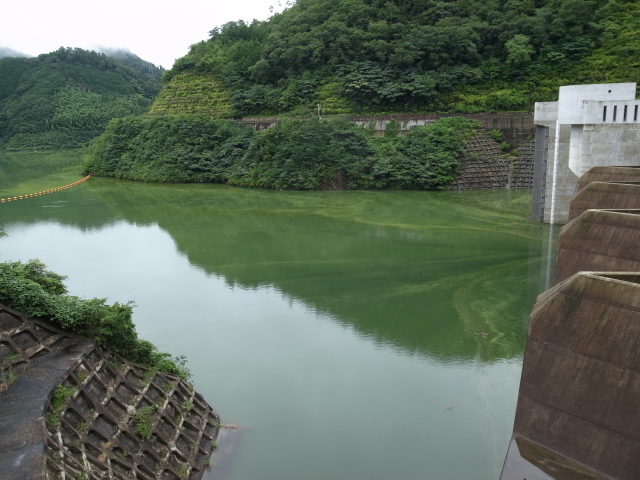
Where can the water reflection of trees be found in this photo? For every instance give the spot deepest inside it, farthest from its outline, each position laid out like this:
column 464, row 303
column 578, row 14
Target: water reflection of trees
column 425, row 273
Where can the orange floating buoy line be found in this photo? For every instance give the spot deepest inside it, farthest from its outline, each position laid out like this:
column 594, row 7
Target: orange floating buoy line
column 20, row 197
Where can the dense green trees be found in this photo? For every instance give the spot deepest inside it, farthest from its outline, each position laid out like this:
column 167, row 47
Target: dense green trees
column 295, row 154
column 393, row 55
column 303, row 155
column 171, row 148
column 67, row 97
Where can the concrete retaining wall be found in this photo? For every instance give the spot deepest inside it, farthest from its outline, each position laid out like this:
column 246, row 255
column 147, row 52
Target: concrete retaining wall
column 516, row 127
column 484, row 165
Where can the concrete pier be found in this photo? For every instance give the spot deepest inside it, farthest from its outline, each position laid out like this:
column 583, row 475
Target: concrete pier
column 580, row 387
column 599, row 240
column 605, row 195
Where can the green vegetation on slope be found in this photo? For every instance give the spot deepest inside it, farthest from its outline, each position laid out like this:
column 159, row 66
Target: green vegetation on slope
column 67, row 97
column 355, row 56
column 295, row 154
column 192, row 94
column 39, row 293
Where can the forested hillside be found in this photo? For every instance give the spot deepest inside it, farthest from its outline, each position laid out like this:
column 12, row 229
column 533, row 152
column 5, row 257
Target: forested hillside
column 67, row 97
column 376, row 56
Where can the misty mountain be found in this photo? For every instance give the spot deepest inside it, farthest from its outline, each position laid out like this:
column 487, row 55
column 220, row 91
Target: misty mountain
column 10, row 52
column 132, row 60
column 67, row 97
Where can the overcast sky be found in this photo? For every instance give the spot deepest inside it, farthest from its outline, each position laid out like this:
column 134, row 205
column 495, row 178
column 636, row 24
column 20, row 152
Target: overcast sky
column 156, row 30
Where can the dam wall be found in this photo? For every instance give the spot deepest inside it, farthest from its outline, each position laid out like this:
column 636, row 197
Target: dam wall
column 625, row 174
column 580, row 382
column 589, row 126
column 577, row 411
column 606, row 195
column 599, row 240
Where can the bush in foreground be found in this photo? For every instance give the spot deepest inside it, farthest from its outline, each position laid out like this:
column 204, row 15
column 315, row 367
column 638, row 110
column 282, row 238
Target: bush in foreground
column 39, row 293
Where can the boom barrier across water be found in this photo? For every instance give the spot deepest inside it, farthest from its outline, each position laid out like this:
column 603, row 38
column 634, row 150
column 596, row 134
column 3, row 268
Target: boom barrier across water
column 22, row 197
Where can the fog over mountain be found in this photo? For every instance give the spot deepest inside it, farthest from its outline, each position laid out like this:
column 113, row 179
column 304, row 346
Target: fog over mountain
column 10, row 52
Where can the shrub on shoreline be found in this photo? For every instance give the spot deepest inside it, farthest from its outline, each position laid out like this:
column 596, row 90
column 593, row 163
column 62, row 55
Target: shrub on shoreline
column 39, row 293
column 295, row 154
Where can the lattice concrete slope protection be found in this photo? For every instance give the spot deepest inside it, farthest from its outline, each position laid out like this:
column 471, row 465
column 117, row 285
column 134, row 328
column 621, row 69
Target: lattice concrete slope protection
column 70, row 409
column 484, row 166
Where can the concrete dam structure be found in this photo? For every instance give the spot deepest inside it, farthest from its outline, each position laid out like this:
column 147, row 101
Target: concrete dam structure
column 609, row 195
column 589, row 126
column 577, row 413
column 609, row 174
column 70, row 409
column 599, row 240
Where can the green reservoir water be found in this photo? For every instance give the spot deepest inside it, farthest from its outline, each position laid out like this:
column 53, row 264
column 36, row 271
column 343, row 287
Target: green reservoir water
column 351, row 335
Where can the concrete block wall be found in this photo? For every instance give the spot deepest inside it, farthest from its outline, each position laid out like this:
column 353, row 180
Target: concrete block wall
column 610, row 145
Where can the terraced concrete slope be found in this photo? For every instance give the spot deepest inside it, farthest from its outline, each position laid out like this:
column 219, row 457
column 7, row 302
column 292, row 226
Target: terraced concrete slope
column 71, row 409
